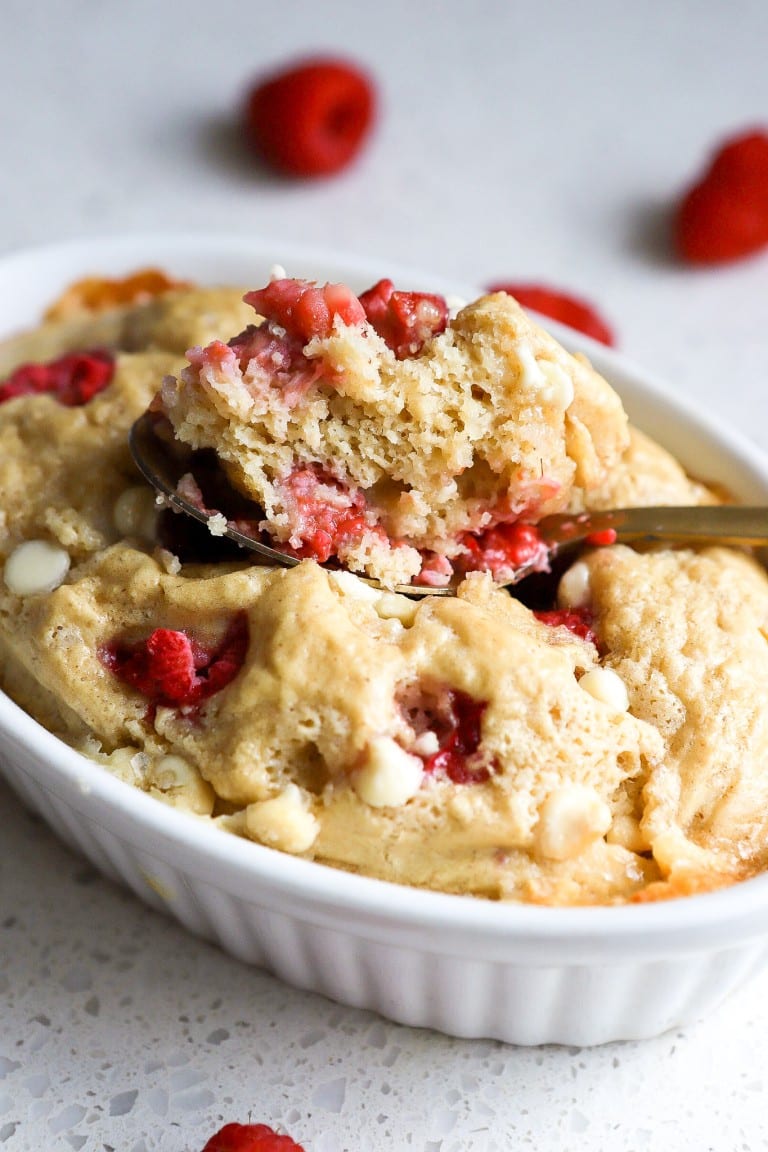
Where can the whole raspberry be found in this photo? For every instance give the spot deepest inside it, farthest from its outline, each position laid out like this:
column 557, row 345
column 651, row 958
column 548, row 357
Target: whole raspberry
column 250, row 1138
column 312, row 118
column 724, row 215
column 570, row 310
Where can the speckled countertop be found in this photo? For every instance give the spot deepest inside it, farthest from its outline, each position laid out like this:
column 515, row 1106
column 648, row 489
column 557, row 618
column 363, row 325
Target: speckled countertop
column 542, row 144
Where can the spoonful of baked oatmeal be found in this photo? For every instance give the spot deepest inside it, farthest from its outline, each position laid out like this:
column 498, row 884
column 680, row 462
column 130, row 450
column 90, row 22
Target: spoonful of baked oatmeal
column 376, row 433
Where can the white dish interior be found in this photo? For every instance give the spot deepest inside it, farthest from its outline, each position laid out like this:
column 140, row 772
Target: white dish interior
column 466, row 966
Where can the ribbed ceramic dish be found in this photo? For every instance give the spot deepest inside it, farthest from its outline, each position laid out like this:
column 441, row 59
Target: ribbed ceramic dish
column 468, row 967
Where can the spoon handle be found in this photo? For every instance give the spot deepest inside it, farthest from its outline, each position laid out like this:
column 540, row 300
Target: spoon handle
column 716, row 523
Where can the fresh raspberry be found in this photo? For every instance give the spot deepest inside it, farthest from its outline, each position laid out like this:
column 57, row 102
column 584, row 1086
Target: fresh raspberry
column 173, row 670
column 460, row 740
column 724, row 215
column 73, row 379
column 305, row 310
column 560, row 306
column 577, row 620
column 310, row 119
column 743, row 160
column 250, row 1138
column 716, row 224
column 404, row 320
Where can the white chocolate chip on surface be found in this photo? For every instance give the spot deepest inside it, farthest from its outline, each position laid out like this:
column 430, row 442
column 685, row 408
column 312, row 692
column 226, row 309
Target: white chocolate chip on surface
column 284, row 822
column 35, row 566
column 574, row 591
column 277, row 272
column 607, row 687
column 570, row 818
column 135, row 512
column 389, row 776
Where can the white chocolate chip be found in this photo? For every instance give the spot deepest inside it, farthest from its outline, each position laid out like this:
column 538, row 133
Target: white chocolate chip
column 283, row 822
column 277, row 272
column 389, row 775
column 353, row 586
column 531, row 375
column 426, row 744
column 179, row 783
column 559, row 386
column 607, row 687
column 571, row 818
column 174, row 772
column 35, row 566
column 574, row 591
column 135, row 513
column 390, row 606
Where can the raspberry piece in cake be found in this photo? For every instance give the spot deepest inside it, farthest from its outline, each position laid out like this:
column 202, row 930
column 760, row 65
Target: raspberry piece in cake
column 173, row 670
column 328, row 519
column 404, row 320
column 73, row 379
column 502, row 551
column 305, row 311
column 446, row 724
column 579, row 621
column 460, row 742
column 439, row 437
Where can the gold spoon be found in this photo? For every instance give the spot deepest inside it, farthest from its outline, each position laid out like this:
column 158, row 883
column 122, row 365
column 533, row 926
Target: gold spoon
column 158, row 459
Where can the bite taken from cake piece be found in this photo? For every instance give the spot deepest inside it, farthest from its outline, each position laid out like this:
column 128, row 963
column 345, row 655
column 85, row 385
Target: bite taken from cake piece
column 377, row 432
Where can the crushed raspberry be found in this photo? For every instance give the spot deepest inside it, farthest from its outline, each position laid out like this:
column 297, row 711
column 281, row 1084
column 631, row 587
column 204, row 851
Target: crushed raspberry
column 326, row 517
column 404, row 320
column 250, row 1138
column 724, row 215
column 570, row 310
column 73, row 379
column 455, row 718
column 304, row 310
column 461, row 741
column 436, row 571
column 503, row 551
column 272, row 360
column 579, row 621
column 312, row 118
column 174, row 670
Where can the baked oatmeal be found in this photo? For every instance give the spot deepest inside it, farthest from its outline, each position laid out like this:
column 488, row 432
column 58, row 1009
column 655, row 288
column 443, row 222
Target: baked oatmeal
column 604, row 745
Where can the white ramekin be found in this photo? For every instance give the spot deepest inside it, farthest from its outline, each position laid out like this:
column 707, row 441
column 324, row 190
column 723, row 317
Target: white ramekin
column 468, row 967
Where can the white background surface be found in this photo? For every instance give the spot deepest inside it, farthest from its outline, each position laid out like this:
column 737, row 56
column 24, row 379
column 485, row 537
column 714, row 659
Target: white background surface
column 543, row 145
